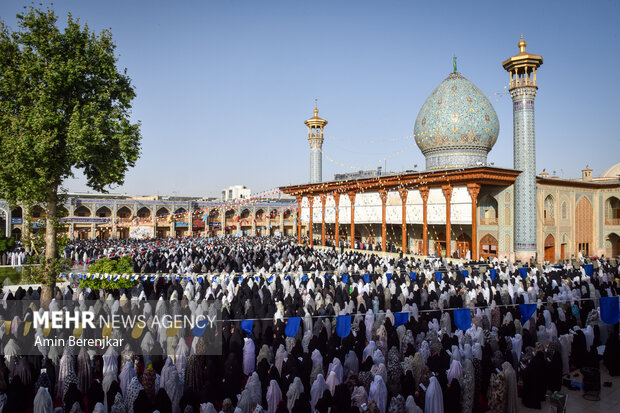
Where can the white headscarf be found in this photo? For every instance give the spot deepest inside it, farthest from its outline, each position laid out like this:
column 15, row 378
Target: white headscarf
column 411, row 407
column 274, row 395
column 125, row 377
column 332, row 381
column 249, row 356
column 317, row 390
column 510, row 377
column 254, row 386
column 378, row 393
column 336, row 367
column 294, row 391
column 43, row 401
column 433, row 402
column 455, row 371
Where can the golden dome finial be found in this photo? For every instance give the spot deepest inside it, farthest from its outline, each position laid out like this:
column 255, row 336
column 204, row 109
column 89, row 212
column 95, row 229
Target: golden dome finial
column 522, row 44
column 316, row 107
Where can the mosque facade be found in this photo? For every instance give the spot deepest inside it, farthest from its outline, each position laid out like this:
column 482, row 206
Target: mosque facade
column 460, row 206
column 121, row 217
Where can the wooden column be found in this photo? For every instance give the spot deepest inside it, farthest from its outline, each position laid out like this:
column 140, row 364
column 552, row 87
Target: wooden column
column 323, row 219
column 336, row 224
column 383, row 196
column 281, row 216
column 299, row 199
column 424, row 194
column 352, row 199
column 190, row 223
column 310, row 235
column 474, row 190
column 403, row 197
column 447, row 193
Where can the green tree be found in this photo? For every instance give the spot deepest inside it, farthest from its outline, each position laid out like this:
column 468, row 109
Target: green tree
column 64, row 107
column 109, row 266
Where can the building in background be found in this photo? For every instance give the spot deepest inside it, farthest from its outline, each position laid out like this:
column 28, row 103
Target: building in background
column 235, row 192
column 461, row 206
column 88, row 216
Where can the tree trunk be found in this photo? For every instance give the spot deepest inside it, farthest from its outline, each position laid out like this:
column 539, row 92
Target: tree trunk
column 27, row 233
column 49, row 282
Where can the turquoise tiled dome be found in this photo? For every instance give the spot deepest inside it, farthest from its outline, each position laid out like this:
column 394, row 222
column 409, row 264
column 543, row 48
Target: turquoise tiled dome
column 457, row 125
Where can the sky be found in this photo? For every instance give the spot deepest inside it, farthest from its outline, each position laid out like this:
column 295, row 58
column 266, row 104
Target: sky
column 224, row 86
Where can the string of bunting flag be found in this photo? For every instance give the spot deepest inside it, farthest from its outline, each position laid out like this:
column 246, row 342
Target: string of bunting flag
column 588, row 269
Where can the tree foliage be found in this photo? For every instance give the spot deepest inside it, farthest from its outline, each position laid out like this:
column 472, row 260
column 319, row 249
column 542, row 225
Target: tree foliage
column 64, row 107
column 109, row 266
column 6, row 244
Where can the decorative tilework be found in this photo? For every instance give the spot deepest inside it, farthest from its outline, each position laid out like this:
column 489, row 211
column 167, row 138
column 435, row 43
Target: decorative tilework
column 457, row 125
column 525, row 161
column 316, row 165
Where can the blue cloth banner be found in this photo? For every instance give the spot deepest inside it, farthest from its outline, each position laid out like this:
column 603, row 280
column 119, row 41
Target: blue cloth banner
column 389, row 276
column 246, row 325
column 413, row 276
column 270, row 279
column 400, row 319
column 343, row 326
column 199, row 280
column 199, row 328
column 292, row 326
column 326, row 276
column 438, row 276
column 213, row 279
column 610, row 313
column 239, row 279
column 523, row 272
column 493, row 273
column 527, row 310
column 366, row 278
column 589, row 269
column 465, row 273
column 345, row 278
column 462, row 318
column 256, row 278
column 304, row 277
column 288, row 277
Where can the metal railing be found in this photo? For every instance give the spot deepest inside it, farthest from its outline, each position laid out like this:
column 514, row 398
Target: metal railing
column 525, row 81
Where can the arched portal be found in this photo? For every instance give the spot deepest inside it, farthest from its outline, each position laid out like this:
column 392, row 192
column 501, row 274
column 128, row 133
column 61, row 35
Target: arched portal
column 488, row 246
column 82, row 211
column 463, row 245
column 550, row 248
column 440, row 244
column 144, row 212
column 583, row 227
column 613, row 245
column 103, row 212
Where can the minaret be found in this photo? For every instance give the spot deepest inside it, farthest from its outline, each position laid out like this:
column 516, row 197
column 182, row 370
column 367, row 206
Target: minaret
column 315, row 137
column 522, row 68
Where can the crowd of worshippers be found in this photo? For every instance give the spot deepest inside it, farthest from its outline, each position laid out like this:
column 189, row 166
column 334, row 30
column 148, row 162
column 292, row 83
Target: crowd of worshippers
column 227, row 254
column 423, row 365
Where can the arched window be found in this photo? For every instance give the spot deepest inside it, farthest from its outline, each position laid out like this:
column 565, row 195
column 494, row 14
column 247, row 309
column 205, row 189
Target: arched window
column 548, row 212
column 488, row 246
column 144, row 212
column 103, row 212
column 612, row 211
column 564, row 210
column 81, row 211
column 488, row 210
column 124, row 212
